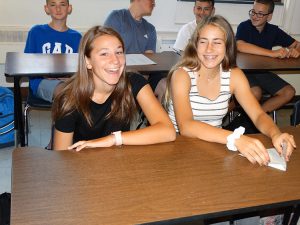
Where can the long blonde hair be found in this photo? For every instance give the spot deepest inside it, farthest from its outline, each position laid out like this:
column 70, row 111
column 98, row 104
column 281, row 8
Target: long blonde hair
column 78, row 90
column 190, row 57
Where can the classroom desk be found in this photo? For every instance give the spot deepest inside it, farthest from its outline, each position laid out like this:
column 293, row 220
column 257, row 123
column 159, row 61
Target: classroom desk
column 19, row 65
column 256, row 63
column 182, row 181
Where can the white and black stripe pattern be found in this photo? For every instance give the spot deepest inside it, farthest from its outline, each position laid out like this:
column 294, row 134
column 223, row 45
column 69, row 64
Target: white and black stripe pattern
column 208, row 111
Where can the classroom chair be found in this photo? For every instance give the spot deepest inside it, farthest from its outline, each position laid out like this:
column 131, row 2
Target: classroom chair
column 295, row 117
column 33, row 102
column 288, row 105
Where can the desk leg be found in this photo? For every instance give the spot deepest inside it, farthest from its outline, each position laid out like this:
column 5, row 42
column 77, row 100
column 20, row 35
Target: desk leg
column 296, row 215
column 19, row 125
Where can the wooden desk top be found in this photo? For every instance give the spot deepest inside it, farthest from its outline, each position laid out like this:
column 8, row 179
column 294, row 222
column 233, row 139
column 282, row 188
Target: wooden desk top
column 140, row 184
column 255, row 63
column 164, row 60
column 24, row 64
column 21, row 64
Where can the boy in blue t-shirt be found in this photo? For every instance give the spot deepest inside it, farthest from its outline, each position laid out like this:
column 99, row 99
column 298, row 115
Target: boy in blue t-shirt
column 257, row 36
column 52, row 38
column 138, row 34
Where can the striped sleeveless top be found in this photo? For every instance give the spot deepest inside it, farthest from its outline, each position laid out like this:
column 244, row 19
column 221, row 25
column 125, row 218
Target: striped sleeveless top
column 205, row 110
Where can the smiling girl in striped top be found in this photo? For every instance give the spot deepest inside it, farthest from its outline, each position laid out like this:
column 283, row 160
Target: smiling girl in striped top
column 200, row 85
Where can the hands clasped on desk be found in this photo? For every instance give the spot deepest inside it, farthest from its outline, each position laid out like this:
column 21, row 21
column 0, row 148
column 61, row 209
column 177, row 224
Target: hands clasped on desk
column 285, row 53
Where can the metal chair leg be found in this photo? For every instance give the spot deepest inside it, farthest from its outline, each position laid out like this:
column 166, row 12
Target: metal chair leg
column 274, row 116
column 26, row 110
column 295, row 217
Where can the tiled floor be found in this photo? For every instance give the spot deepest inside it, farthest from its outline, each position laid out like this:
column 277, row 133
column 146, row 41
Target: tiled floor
column 40, row 126
column 5, row 169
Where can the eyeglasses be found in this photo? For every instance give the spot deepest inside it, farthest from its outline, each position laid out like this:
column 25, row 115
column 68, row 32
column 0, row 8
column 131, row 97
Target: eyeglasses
column 258, row 15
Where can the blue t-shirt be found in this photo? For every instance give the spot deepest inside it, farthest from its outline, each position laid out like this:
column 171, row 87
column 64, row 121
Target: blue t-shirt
column 44, row 39
column 138, row 36
column 270, row 36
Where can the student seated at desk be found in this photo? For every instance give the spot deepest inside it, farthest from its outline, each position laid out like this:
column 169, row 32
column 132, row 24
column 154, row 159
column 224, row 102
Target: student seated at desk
column 257, row 36
column 97, row 104
column 138, row 34
column 200, row 86
column 53, row 38
column 201, row 9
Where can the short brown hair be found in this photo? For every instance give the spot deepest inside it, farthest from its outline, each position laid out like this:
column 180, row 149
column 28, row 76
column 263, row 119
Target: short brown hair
column 269, row 3
column 212, row 2
column 49, row 0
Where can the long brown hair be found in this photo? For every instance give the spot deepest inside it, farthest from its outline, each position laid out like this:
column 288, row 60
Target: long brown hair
column 190, row 57
column 78, row 90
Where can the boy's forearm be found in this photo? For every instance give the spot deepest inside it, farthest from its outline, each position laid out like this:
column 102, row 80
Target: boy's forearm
column 295, row 45
column 253, row 49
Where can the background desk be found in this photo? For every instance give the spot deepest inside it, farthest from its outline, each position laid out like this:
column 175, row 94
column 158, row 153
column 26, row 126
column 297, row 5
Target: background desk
column 19, row 65
column 186, row 180
column 256, row 63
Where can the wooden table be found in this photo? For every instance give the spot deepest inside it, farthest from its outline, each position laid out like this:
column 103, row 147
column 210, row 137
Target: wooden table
column 183, row 181
column 19, row 65
column 256, row 63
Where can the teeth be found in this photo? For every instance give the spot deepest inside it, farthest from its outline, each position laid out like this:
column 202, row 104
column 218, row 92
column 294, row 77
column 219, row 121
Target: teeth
column 210, row 57
column 113, row 70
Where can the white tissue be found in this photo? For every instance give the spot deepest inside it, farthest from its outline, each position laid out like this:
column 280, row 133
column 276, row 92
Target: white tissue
column 276, row 161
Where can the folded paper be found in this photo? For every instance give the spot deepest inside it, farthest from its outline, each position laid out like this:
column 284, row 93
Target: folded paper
column 276, row 161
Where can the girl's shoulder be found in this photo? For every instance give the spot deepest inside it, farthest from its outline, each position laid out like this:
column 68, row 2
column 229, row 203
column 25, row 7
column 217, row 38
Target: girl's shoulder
column 236, row 72
column 182, row 76
column 237, row 77
column 137, row 82
column 185, row 71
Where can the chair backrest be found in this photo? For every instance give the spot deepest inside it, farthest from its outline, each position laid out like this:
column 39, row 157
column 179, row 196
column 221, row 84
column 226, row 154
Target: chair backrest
column 295, row 117
column 36, row 102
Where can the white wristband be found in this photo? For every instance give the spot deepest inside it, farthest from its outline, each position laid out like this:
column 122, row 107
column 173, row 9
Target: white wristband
column 118, row 137
column 232, row 137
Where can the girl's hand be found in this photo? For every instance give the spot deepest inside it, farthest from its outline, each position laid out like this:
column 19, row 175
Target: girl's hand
column 107, row 141
column 253, row 150
column 284, row 144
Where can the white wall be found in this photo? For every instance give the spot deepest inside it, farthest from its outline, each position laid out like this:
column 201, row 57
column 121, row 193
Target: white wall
column 23, row 14
column 16, row 17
